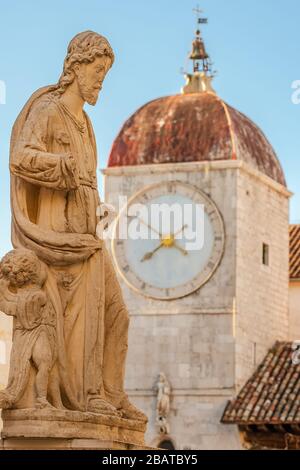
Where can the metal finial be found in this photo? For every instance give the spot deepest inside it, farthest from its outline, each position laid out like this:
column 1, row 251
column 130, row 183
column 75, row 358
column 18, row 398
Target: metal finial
column 199, row 55
column 200, row 79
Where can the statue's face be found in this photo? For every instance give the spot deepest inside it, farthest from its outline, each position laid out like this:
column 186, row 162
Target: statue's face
column 90, row 78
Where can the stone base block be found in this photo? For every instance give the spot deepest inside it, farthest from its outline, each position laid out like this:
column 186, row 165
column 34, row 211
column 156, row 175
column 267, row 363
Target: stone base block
column 53, row 429
column 66, row 444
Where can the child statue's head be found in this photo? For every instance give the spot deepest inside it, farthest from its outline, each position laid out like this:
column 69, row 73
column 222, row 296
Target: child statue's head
column 22, row 267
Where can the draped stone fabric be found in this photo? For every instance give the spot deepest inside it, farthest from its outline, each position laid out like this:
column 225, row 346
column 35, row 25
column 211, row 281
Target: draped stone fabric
column 54, row 200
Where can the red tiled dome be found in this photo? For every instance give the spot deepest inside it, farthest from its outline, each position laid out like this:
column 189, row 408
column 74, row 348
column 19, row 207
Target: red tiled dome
column 194, row 127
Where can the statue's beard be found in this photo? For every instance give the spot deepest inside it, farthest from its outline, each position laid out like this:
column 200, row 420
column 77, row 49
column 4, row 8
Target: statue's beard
column 89, row 94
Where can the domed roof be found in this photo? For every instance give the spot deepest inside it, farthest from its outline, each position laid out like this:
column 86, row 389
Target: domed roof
column 193, row 127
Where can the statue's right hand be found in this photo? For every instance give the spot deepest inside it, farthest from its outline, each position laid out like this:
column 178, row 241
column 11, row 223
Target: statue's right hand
column 70, row 161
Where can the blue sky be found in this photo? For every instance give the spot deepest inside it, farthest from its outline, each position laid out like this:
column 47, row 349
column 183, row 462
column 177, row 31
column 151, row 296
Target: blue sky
column 254, row 45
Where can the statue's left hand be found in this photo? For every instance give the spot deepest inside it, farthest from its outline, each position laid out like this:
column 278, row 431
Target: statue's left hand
column 107, row 214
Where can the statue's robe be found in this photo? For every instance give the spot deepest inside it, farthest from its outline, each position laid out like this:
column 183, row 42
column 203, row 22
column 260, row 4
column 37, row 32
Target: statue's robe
column 54, row 206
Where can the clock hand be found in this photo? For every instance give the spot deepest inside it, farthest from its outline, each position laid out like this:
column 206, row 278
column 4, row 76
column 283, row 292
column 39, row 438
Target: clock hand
column 149, row 226
column 159, row 233
column 167, row 242
column 183, row 251
column 181, row 230
column 150, row 255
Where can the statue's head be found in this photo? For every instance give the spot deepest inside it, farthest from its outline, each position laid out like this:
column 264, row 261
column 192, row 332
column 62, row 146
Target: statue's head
column 22, row 267
column 162, row 377
column 88, row 60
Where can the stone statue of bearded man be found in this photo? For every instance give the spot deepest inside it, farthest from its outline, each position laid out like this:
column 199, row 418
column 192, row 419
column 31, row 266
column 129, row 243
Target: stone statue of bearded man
column 53, row 166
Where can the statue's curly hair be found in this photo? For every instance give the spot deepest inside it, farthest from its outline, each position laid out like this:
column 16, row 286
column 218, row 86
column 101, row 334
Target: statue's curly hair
column 83, row 48
column 21, row 267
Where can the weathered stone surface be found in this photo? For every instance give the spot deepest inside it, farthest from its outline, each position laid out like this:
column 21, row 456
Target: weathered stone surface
column 70, row 424
column 210, row 342
column 70, row 334
column 66, row 444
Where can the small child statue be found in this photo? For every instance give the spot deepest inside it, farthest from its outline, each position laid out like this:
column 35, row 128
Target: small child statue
column 22, row 277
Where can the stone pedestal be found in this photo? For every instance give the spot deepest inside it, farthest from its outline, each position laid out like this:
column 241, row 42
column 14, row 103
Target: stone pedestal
column 66, row 444
column 52, row 429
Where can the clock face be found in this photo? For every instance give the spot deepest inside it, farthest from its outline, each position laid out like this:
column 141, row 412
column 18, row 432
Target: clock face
column 168, row 241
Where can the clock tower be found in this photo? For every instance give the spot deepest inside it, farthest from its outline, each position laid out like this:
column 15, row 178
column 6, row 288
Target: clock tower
column 203, row 315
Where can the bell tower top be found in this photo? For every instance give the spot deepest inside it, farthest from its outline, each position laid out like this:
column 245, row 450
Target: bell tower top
column 199, row 81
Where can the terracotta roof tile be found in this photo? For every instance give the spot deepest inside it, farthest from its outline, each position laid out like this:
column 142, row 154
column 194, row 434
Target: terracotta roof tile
column 272, row 395
column 295, row 252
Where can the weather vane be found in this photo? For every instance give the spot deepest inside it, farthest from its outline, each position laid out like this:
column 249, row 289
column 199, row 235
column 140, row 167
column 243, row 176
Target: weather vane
column 200, row 19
